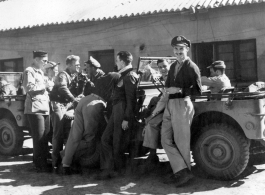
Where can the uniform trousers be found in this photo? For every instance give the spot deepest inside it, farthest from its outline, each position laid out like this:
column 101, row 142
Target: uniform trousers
column 39, row 126
column 114, row 140
column 58, row 111
column 153, row 131
column 82, row 136
column 175, row 132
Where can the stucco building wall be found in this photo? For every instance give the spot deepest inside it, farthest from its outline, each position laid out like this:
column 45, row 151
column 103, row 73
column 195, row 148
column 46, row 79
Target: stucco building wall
column 142, row 36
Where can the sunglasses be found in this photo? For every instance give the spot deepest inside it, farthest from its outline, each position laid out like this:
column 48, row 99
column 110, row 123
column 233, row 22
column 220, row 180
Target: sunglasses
column 45, row 61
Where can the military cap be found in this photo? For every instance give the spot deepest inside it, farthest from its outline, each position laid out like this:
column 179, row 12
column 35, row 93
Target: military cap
column 40, row 54
column 217, row 64
column 180, row 41
column 92, row 61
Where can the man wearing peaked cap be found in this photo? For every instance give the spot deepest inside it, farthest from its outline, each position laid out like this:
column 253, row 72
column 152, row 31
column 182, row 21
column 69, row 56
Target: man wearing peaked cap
column 218, row 79
column 180, row 40
column 93, row 69
column 183, row 81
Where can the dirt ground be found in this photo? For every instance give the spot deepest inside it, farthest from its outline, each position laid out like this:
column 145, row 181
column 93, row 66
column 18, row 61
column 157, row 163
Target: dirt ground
column 18, row 177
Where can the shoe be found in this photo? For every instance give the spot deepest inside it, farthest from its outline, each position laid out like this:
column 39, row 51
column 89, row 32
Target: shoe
column 106, row 174
column 66, row 171
column 152, row 159
column 179, row 178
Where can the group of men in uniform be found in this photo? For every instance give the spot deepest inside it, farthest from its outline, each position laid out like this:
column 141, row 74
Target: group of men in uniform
column 170, row 118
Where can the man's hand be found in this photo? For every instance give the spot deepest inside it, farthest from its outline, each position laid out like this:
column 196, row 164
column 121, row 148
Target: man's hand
column 124, row 125
column 173, row 90
column 80, row 96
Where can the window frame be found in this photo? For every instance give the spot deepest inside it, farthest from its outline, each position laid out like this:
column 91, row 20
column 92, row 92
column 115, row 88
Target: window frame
column 236, row 56
column 18, row 62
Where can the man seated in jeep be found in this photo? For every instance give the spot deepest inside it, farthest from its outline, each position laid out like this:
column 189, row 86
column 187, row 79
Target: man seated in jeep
column 218, row 79
column 156, row 106
column 6, row 88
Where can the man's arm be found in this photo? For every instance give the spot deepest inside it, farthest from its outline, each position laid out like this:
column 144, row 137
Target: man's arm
column 208, row 81
column 195, row 85
column 161, row 104
column 130, row 85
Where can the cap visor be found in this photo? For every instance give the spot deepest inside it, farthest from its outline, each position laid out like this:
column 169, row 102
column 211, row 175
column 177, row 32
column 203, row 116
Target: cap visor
column 180, row 45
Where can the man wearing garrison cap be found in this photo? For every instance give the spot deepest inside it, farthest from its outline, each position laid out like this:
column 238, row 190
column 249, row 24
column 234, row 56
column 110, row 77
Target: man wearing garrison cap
column 183, row 81
column 38, row 119
column 93, row 69
column 218, row 79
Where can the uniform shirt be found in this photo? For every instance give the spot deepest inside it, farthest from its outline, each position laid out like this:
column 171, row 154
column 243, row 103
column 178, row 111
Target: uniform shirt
column 216, row 83
column 34, row 83
column 125, row 91
column 188, row 78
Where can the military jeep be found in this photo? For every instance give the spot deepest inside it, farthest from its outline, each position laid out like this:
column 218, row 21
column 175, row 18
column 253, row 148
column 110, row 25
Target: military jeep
column 13, row 124
column 225, row 128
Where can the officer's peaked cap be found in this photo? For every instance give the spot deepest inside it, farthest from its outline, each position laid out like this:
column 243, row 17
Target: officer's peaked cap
column 92, row 61
column 180, row 41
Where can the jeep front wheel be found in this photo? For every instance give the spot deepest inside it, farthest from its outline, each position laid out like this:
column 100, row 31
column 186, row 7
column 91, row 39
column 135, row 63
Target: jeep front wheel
column 11, row 137
column 221, row 151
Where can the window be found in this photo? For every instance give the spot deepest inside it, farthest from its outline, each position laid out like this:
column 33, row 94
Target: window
column 105, row 58
column 11, row 65
column 239, row 57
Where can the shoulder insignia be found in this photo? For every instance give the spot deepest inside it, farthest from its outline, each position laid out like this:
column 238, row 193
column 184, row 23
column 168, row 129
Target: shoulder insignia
column 134, row 74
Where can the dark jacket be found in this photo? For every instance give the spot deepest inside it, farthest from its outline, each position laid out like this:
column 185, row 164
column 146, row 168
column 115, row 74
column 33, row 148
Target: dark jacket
column 61, row 90
column 188, row 79
column 91, row 83
column 100, row 73
column 125, row 91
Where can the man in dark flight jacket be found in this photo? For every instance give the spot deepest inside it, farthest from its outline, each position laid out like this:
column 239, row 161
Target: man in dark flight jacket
column 115, row 137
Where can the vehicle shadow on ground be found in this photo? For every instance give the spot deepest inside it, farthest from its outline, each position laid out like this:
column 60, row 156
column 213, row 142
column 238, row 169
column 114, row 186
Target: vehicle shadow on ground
column 137, row 179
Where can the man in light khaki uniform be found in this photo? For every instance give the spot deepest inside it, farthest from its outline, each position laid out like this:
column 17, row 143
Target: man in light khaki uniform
column 218, row 79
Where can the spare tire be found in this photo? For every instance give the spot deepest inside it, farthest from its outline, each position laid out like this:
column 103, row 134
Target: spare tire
column 11, row 137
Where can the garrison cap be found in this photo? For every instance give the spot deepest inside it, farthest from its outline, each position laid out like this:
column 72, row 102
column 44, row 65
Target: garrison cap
column 40, row 54
column 218, row 64
column 180, row 41
column 92, row 61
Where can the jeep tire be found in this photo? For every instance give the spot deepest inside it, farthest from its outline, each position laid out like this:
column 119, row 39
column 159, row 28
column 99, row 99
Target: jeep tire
column 11, row 137
column 221, row 151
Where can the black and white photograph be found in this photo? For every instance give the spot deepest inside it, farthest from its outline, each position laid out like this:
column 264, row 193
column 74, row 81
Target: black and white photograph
column 132, row 97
